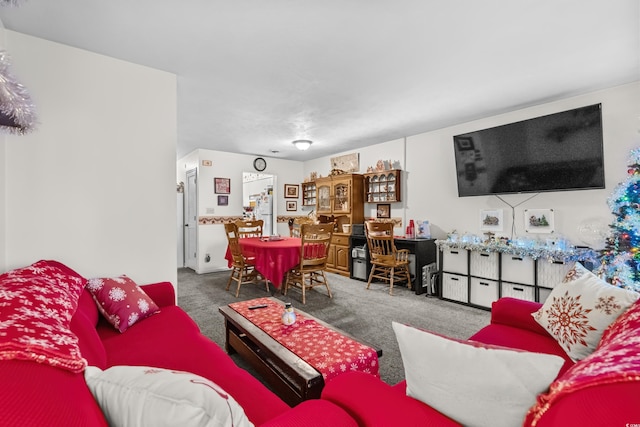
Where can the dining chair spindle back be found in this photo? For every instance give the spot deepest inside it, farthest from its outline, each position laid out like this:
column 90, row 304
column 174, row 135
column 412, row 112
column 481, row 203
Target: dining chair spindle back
column 387, row 262
column 243, row 267
column 314, row 250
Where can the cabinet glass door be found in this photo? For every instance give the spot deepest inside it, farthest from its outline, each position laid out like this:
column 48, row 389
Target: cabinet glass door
column 341, row 201
column 324, row 198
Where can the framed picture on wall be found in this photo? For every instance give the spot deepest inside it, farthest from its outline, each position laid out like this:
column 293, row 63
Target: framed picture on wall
column 539, row 221
column 222, row 185
column 223, row 200
column 491, row 220
column 291, row 191
column 292, row 205
column 383, row 210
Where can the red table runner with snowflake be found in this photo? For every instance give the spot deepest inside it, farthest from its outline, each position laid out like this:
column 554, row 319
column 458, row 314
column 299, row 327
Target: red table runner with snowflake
column 328, row 351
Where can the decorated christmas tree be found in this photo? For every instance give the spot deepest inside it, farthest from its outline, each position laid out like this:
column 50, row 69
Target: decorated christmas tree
column 620, row 261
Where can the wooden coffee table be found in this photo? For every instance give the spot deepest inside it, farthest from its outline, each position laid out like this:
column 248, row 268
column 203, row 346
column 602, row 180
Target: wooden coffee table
column 293, row 379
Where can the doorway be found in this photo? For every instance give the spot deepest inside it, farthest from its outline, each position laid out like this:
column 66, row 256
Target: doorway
column 259, row 199
column 191, row 220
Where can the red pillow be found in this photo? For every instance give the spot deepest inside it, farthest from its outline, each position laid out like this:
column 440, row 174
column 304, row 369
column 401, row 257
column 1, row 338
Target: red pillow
column 36, row 306
column 121, row 301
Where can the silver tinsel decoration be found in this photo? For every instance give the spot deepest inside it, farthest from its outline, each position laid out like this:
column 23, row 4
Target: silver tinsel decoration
column 17, row 112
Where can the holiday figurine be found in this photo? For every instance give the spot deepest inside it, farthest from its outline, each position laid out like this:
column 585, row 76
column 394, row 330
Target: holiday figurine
column 289, row 316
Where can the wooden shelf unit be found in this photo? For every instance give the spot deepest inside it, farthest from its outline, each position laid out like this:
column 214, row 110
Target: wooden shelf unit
column 309, row 193
column 383, row 186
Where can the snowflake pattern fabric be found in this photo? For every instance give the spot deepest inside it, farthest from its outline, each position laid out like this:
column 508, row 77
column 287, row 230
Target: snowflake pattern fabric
column 328, row 351
column 36, row 306
column 121, row 301
column 616, row 359
column 580, row 308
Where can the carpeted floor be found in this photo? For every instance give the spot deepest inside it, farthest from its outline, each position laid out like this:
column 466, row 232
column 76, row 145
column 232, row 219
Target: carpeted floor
column 365, row 314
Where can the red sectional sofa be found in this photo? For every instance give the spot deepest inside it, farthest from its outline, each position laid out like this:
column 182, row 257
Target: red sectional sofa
column 42, row 394
column 38, row 394
column 611, row 398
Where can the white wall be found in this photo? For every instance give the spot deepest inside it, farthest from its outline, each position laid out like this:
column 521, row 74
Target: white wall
column 3, row 183
column 94, row 185
column 211, row 238
column 432, row 192
column 3, row 205
column 429, row 188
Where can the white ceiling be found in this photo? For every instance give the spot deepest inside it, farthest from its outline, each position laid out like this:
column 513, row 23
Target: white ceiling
column 254, row 75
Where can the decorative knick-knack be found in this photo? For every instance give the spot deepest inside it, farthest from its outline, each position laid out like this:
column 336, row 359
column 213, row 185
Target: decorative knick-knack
column 289, row 316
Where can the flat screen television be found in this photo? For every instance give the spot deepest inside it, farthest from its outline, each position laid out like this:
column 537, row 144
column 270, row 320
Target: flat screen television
column 557, row 152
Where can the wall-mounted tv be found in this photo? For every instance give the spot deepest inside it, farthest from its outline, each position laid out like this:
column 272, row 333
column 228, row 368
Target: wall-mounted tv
column 558, row 152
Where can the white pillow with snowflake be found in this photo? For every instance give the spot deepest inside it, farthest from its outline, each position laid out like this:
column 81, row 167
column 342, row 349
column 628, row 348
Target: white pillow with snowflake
column 578, row 310
column 146, row 396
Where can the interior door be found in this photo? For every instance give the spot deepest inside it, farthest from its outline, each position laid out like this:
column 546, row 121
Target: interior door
column 191, row 220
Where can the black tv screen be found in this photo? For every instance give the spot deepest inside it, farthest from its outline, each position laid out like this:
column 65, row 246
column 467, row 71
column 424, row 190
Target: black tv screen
column 558, row 152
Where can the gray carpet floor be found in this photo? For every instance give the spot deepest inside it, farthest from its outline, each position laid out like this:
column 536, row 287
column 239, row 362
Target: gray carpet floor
column 365, row 314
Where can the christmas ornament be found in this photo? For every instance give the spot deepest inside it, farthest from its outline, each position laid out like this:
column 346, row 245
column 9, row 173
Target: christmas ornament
column 17, row 112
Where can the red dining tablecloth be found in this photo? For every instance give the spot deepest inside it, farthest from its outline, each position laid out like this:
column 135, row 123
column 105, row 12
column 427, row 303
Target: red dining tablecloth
column 272, row 258
column 328, row 351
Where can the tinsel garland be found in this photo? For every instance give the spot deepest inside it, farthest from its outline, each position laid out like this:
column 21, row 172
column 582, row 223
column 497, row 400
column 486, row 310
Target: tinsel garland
column 573, row 254
column 15, row 102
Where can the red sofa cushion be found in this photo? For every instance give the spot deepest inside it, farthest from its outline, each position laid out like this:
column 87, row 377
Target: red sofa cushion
column 523, row 339
column 89, row 342
column 373, row 403
column 87, row 306
column 313, row 413
column 34, row 394
column 517, row 313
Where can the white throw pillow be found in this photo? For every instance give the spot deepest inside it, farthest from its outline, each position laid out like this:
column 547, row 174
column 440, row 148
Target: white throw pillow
column 579, row 309
column 140, row 395
column 474, row 384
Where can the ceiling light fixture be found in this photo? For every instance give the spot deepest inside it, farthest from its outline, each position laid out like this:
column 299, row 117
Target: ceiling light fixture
column 302, row 144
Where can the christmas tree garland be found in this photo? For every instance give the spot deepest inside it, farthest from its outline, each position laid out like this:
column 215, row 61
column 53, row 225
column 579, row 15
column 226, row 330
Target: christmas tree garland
column 620, row 259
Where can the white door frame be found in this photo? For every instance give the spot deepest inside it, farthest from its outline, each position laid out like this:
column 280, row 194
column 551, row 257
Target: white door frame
column 191, row 220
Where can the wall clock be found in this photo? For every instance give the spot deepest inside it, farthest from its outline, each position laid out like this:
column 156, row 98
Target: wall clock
column 260, row 164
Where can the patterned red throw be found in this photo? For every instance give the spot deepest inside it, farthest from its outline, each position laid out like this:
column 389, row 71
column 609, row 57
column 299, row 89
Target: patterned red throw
column 328, row 351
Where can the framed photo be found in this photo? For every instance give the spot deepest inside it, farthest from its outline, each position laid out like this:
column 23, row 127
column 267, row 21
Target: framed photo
column 291, row 191
column 383, row 210
column 491, row 220
column 347, row 163
column 223, row 200
column 222, row 185
column 538, row 221
column 292, row 205
column 464, row 143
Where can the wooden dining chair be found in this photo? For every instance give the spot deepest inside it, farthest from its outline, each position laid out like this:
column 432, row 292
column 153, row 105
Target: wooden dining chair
column 250, row 228
column 314, row 250
column 243, row 267
column 294, row 230
column 387, row 262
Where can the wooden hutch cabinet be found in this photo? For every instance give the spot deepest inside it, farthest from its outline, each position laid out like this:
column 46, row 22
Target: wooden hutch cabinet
column 383, row 186
column 340, row 197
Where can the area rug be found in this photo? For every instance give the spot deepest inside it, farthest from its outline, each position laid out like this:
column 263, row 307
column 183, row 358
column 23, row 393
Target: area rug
column 365, row 314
